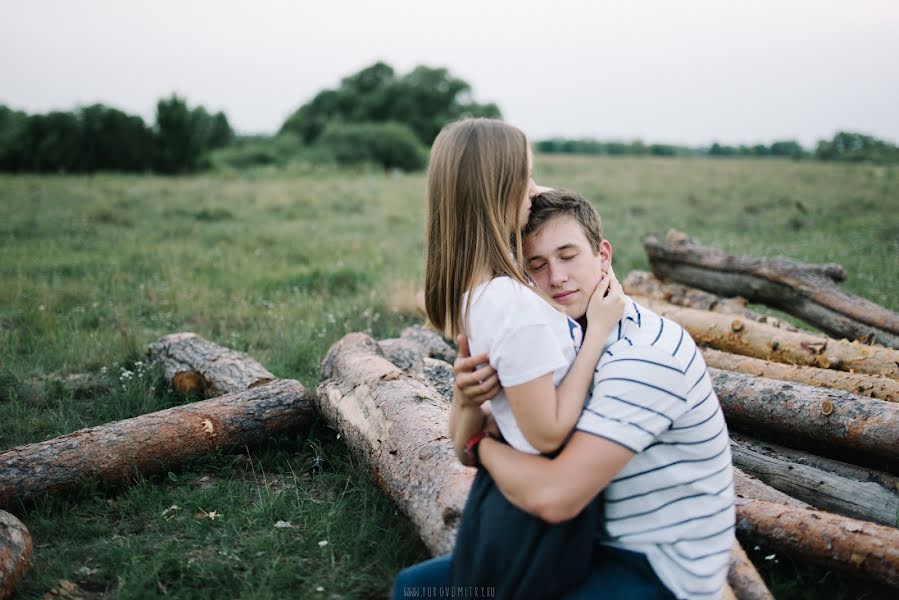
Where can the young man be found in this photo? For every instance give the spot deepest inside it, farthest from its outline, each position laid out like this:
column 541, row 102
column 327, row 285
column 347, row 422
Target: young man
column 651, row 435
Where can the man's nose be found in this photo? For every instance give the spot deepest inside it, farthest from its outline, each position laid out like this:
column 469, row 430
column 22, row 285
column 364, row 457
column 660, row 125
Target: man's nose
column 557, row 276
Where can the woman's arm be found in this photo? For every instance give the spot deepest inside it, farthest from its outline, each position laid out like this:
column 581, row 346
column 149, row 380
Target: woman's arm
column 546, row 425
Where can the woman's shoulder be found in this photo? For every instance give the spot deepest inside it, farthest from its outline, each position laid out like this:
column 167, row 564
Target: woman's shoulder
column 509, row 296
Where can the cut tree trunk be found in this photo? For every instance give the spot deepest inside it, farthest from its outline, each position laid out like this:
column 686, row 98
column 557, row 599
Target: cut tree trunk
column 398, row 424
column 153, row 442
column 802, row 412
column 743, row 336
column 643, row 283
column 747, row 486
column 872, row 386
column 858, row 547
column 861, row 499
column 744, row 580
column 15, row 553
column 194, row 364
column 806, row 291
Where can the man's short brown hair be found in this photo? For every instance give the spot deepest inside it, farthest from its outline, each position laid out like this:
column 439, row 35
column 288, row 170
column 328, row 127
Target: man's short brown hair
column 560, row 202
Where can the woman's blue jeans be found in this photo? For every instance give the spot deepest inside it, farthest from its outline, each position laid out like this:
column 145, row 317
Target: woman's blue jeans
column 616, row 574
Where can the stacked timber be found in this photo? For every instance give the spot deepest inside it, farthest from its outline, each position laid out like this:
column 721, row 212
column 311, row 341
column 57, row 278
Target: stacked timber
column 818, row 478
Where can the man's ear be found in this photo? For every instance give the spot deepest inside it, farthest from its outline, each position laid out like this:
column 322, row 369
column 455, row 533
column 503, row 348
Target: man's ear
column 605, row 253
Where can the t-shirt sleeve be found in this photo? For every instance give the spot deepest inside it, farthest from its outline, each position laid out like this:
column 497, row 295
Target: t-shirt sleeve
column 637, row 394
column 526, row 353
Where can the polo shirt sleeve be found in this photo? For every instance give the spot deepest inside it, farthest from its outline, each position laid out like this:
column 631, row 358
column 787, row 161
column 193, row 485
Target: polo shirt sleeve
column 637, row 394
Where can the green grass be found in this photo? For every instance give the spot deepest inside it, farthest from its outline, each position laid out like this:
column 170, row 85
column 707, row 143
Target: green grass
column 281, row 264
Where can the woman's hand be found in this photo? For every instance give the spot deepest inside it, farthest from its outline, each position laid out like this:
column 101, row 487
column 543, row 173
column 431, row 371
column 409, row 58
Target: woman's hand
column 607, row 303
column 474, row 385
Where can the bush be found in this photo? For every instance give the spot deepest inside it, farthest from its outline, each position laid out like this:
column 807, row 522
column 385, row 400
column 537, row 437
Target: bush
column 390, row 145
column 857, row 147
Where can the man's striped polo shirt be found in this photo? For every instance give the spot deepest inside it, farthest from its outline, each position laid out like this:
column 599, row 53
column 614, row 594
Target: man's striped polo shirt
column 674, row 501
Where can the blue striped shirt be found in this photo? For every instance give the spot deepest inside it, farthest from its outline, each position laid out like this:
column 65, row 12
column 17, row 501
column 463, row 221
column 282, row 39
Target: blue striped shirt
column 674, row 501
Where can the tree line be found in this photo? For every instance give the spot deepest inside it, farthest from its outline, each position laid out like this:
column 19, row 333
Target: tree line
column 844, row 146
column 100, row 138
column 375, row 116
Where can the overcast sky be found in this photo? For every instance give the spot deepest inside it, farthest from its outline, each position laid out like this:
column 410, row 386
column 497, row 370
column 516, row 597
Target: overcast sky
column 680, row 71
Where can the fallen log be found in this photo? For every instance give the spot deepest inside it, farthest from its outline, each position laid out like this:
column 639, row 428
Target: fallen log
column 747, row 486
column 193, row 364
column 801, row 412
column 806, row 291
column 397, row 423
column 15, row 553
column 153, row 442
column 743, row 578
column 743, row 336
column 854, row 546
column 871, row 386
column 643, row 283
column 866, row 500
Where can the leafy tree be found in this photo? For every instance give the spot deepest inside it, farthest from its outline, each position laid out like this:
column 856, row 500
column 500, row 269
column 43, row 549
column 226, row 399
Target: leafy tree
column 13, row 125
column 424, row 99
column 185, row 135
column 856, row 147
column 113, row 140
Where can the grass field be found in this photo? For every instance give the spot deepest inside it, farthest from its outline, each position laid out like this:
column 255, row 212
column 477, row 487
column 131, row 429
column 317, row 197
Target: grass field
column 281, row 264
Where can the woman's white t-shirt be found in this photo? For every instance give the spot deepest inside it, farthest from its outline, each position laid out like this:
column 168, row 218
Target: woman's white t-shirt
column 526, row 338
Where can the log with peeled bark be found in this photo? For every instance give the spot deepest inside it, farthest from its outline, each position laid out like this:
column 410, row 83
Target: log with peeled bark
column 743, row 578
column 838, row 419
column 747, row 486
column 15, row 552
column 744, row 336
column 194, row 364
column 807, row 291
column 861, row 497
column 397, row 423
column 859, row 547
column 644, row 283
column 152, row 442
column 871, row 386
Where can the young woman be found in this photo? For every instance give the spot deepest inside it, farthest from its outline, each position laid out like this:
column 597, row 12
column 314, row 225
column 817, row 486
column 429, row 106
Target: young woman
column 479, row 189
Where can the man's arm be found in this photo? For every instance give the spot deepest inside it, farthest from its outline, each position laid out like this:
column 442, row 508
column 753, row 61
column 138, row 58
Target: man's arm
column 555, row 490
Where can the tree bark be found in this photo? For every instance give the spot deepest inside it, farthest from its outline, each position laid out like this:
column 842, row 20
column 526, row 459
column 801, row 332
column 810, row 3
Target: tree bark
column 194, row 364
column 743, row 578
column 743, row 336
column 397, row 423
column 747, row 486
column 642, row 283
column 15, row 553
column 153, row 442
column 806, row 291
column 854, row 497
column 858, row 547
column 836, row 418
column 871, row 386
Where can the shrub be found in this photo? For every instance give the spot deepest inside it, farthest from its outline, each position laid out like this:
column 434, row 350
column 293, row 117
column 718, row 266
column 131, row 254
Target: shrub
column 390, row 145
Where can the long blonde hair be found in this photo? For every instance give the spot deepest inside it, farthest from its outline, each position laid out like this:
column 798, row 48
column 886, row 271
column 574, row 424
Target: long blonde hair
column 477, row 179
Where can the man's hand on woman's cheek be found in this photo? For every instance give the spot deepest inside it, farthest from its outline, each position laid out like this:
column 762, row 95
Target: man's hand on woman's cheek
column 476, row 380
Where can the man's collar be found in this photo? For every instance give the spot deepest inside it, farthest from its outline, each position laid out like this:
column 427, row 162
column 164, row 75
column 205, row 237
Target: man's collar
column 631, row 311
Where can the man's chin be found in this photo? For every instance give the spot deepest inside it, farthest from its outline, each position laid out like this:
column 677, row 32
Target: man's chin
column 576, row 312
